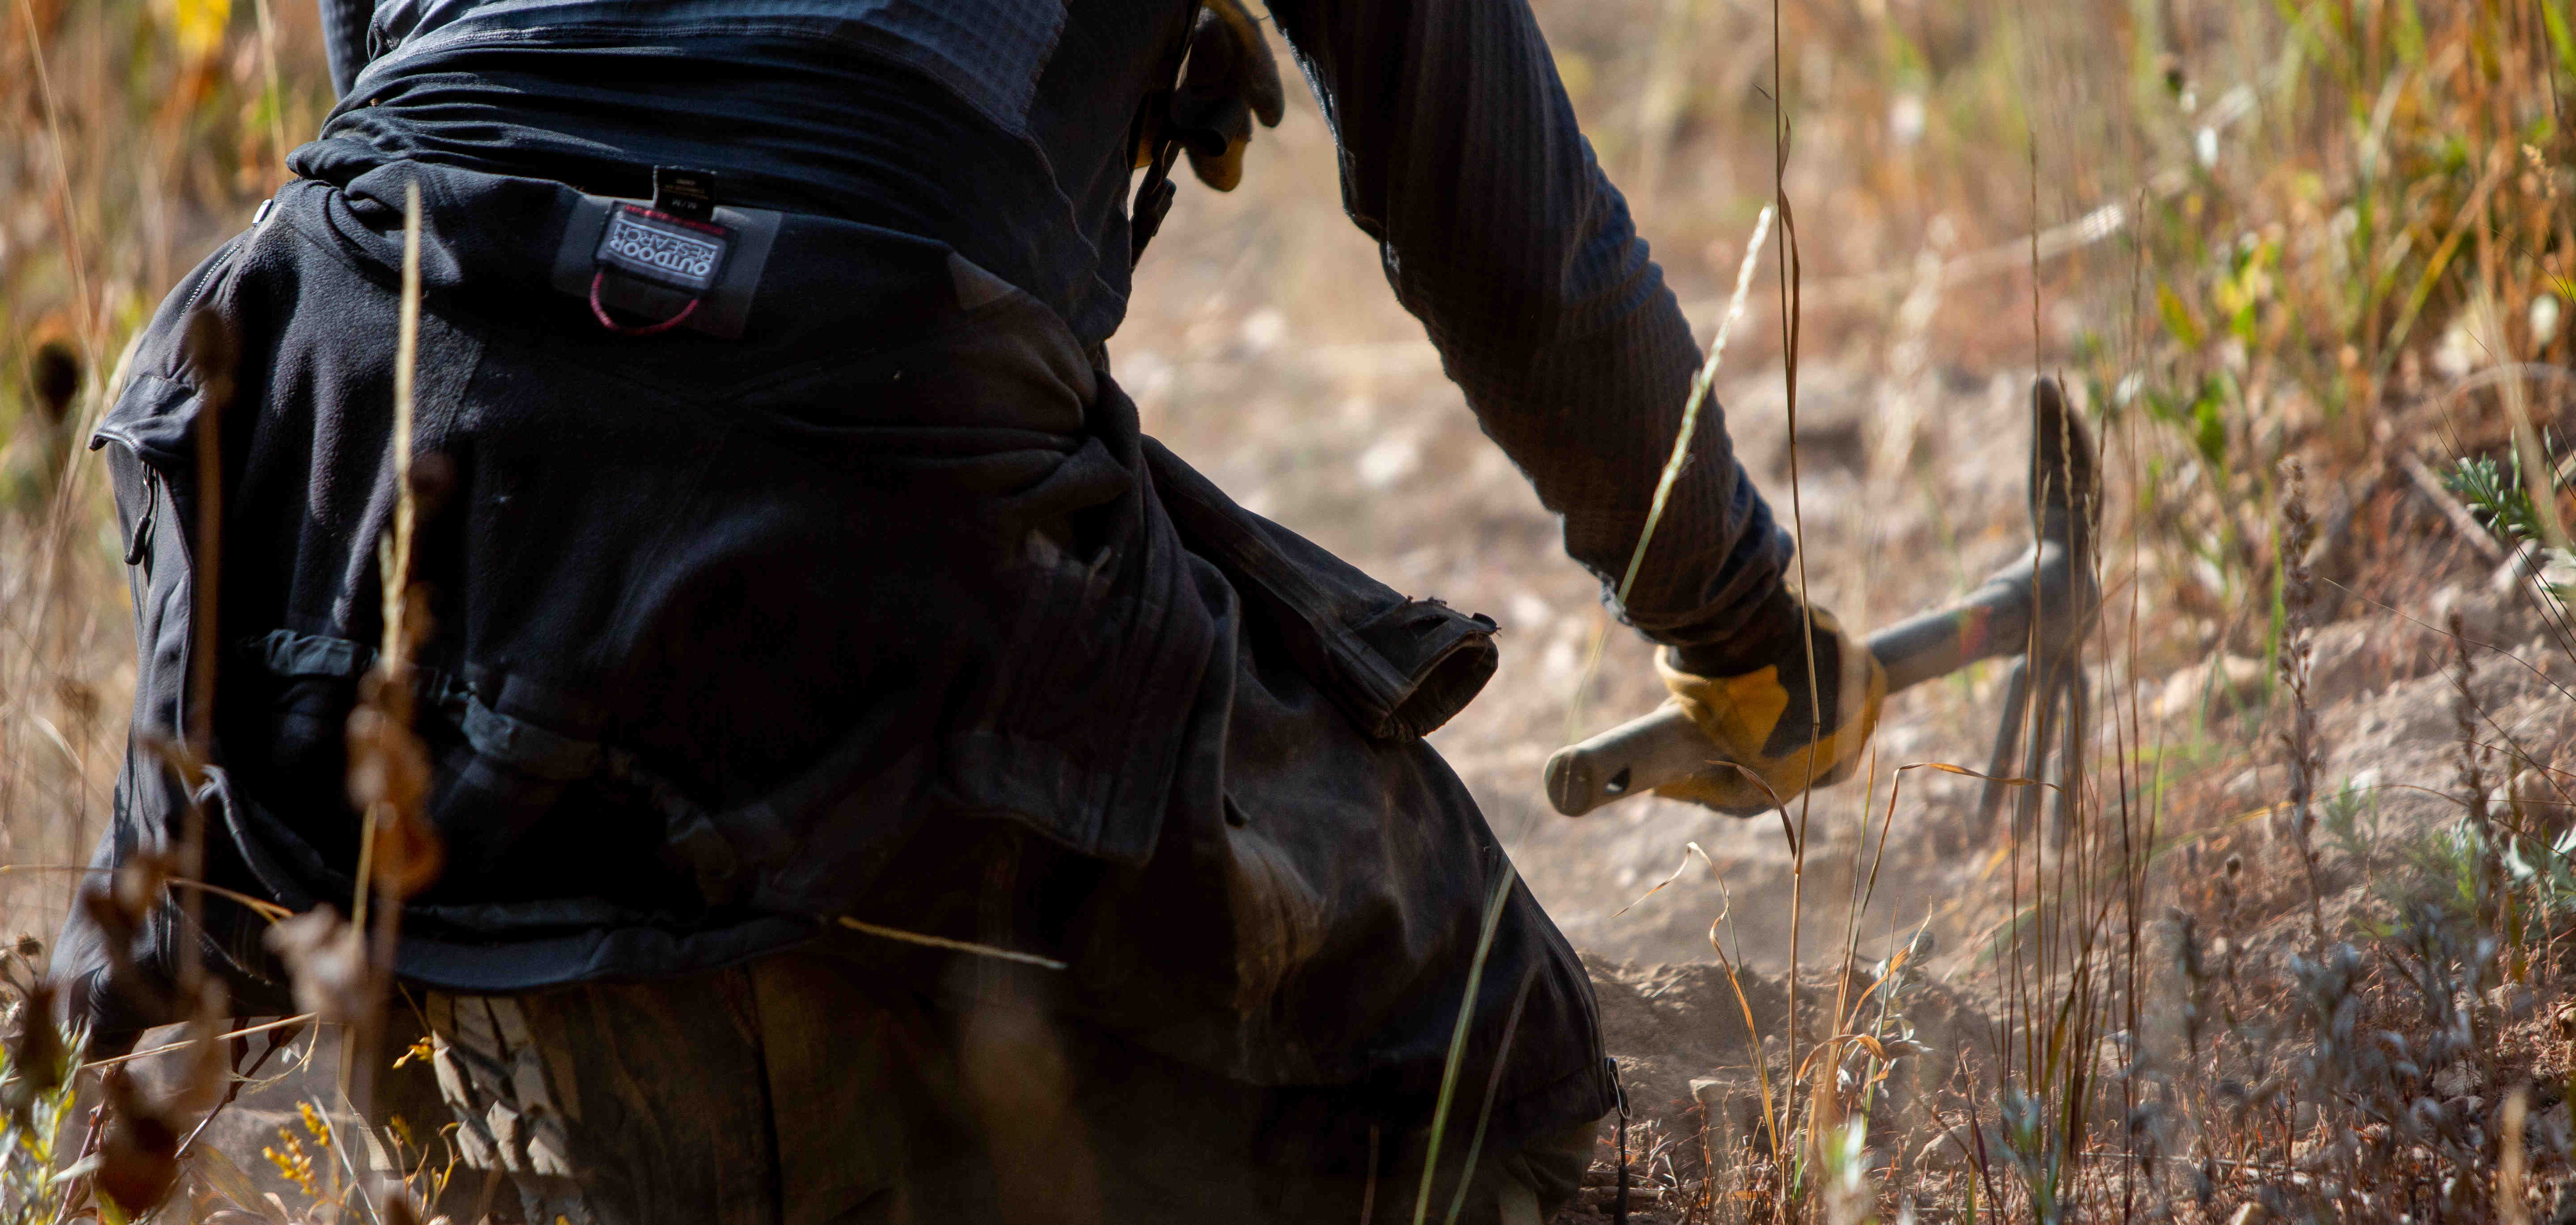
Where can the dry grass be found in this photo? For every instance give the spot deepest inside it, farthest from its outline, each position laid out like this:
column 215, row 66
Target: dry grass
column 2336, row 232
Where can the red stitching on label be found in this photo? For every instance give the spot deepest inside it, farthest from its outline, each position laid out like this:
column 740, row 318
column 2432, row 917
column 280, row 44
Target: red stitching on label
column 600, row 313
column 704, row 227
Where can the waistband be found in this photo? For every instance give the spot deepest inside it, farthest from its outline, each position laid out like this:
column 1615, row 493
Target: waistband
column 500, row 248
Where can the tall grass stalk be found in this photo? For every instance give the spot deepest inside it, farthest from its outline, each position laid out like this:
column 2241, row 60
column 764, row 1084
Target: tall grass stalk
column 1788, row 270
column 1510, row 874
column 1458, row 1041
column 2298, row 658
column 1672, row 471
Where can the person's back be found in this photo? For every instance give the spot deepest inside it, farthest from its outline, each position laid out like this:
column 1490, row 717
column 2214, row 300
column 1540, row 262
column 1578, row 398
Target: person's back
column 1000, row 127
column 795, row 559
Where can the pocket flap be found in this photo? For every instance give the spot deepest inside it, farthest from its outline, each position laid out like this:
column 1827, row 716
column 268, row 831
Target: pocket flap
column 1399, row 667
column 1443, row 657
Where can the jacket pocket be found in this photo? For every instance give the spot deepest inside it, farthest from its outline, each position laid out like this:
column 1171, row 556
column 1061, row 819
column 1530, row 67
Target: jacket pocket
column 1399, row 667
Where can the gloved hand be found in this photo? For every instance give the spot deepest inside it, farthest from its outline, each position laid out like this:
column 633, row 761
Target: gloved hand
column 1753, row 704
column 1230, row 81
column 1227, row 80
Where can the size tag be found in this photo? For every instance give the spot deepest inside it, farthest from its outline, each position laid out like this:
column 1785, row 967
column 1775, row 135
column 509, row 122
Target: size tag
column 653, row 246
column 687, row 194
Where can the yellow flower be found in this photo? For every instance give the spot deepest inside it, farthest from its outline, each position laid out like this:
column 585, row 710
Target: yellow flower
column 198, row 25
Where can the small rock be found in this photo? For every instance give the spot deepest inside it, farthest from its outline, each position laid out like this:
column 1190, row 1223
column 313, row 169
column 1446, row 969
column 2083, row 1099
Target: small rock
column 2546, row 1130
column 2512, row 1001
column 2454, row 1081
column 2309, row 1156
column 2227, row 682
column 2480, row 611
column 2537, row 800
column 2345, row 662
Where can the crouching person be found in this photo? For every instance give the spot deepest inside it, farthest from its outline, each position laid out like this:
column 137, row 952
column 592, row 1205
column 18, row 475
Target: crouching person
column 870, row 779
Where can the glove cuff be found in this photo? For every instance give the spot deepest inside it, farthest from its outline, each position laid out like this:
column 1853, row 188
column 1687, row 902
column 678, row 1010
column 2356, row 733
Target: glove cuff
column 1768, row 636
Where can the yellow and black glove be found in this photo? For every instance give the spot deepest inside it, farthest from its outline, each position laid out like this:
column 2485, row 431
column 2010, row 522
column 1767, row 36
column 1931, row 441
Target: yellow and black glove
column 1754, row 706
column 1229, row 80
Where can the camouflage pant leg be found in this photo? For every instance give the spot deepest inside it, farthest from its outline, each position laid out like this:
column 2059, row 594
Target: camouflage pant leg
column 774, row 1092
column 784, row 1091
column 611, row 1105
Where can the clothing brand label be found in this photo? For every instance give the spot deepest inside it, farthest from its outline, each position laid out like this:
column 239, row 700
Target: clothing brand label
column 666, row 250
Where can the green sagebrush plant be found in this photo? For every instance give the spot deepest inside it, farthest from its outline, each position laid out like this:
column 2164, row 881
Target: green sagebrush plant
column 37, row 1098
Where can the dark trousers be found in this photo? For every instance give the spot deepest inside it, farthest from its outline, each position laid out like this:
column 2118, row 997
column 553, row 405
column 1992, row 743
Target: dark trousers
column 793, row 1089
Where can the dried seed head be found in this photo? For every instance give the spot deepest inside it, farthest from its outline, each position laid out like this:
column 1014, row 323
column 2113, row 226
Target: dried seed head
column 79, row 701
column 2298, row 533
column 207, row 1070
column 215, row 353
column 39, row 1060
column 327, row 959
column 433, row 477
column 138, row 1158
column 409, row 855
column 55, row 371
column 389, row 778
column 387, row 765
column 137, row 885
column 120, row 905
column 2465, row 714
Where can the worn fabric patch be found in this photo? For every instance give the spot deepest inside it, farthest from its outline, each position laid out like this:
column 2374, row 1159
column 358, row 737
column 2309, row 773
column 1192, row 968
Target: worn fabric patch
column 658, row 272
column 666, row 250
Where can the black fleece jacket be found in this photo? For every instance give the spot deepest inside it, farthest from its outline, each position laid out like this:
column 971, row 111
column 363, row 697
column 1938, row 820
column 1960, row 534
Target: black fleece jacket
column 1003, row 128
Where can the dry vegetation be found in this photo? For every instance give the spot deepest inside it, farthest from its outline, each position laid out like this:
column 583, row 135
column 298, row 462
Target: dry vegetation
column 2303, row 949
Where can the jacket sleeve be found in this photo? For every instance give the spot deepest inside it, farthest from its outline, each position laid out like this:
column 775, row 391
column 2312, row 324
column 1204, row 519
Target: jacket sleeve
column 344, row 40
column 1461, row 157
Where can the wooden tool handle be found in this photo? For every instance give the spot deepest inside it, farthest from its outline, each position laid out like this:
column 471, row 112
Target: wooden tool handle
column 1665, row 746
